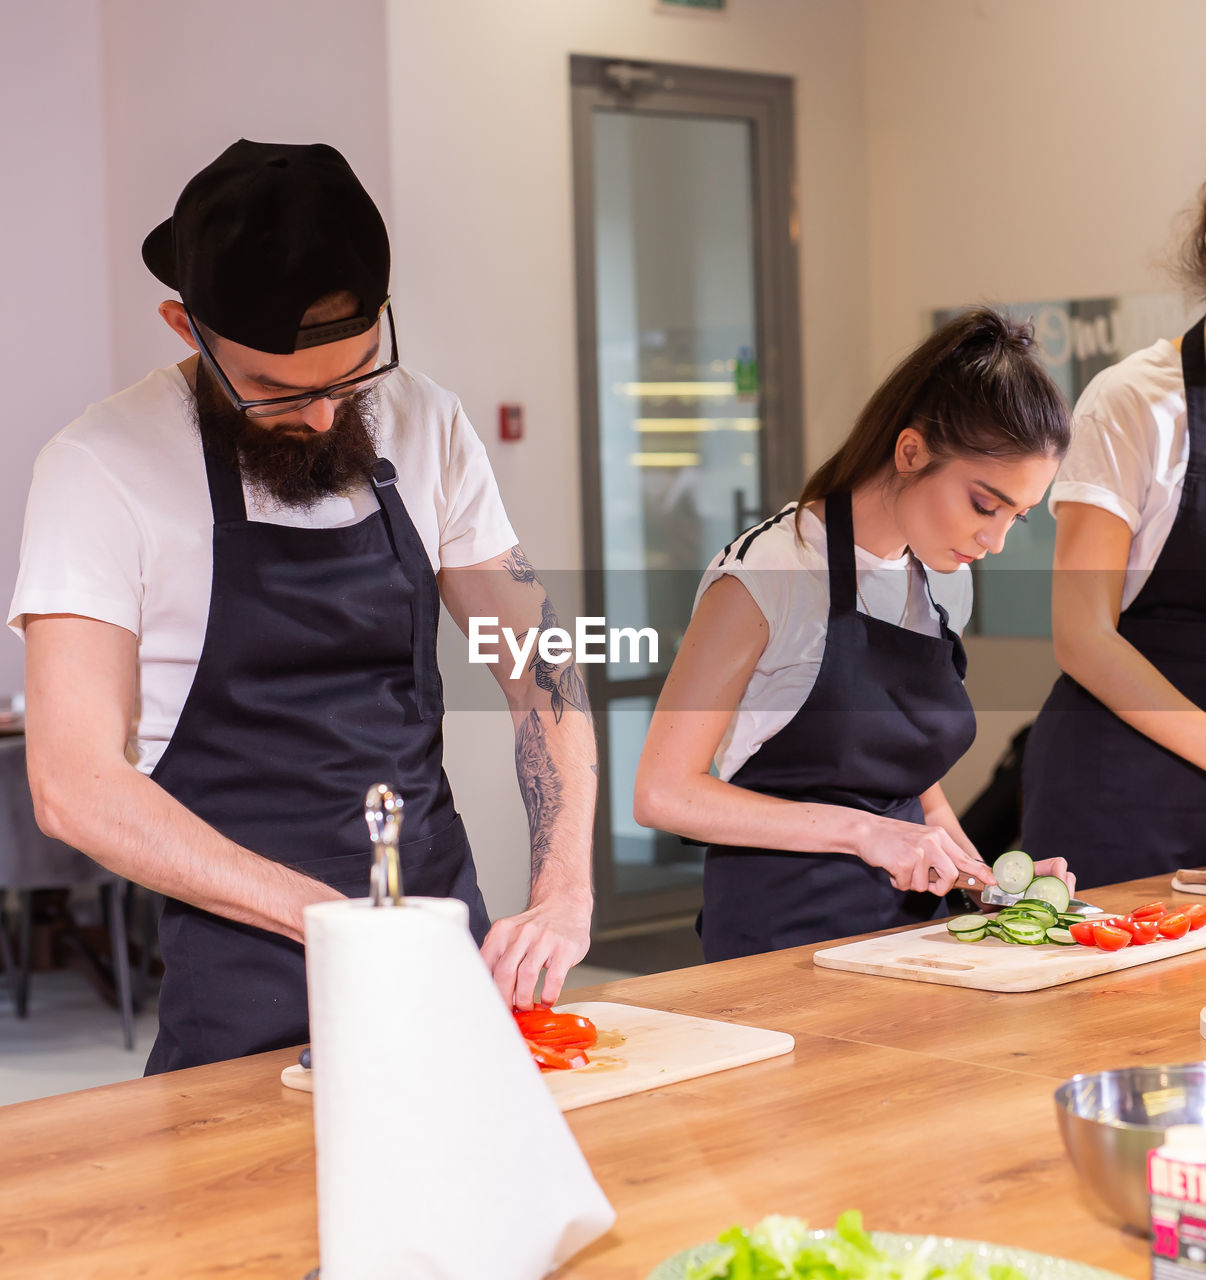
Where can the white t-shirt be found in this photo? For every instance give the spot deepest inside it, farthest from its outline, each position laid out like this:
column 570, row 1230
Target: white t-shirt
column 788, row 579
column 1130, row 445
column 119, row 523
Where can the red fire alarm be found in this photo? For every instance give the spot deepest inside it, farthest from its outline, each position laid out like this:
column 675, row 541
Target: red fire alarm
column 510, row 422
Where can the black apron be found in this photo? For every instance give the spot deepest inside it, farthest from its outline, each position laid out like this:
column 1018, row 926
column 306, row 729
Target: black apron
column 1095, row 791
column 885, row 720
column 317, row 679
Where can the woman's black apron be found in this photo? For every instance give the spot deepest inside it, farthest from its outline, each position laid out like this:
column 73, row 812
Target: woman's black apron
column 885, row 720
column 1095, row 791
column 317, row 679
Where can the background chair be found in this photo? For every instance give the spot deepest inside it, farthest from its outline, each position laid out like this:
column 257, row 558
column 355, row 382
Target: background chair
column 30, row 861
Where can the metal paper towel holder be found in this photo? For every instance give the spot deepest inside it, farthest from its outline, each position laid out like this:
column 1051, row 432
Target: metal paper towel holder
column 383, row 815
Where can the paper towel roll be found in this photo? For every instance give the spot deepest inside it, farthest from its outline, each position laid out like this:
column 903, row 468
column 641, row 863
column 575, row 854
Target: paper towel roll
column 441, row 1154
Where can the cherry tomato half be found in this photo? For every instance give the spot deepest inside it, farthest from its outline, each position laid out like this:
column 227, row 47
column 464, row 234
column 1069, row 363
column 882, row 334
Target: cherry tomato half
column 1110, row 938
column 1144, row 931
column 1082, row 931
column 1148, row 911
column 1175, row 925
column 1196, row 914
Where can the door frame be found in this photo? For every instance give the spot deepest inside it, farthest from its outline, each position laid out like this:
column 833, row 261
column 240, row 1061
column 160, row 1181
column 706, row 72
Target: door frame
column 767, row 102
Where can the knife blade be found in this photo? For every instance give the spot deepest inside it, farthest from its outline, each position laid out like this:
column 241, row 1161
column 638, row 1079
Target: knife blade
column 994, row 895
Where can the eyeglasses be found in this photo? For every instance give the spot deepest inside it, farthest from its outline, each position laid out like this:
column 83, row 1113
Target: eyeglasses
column 290, row 404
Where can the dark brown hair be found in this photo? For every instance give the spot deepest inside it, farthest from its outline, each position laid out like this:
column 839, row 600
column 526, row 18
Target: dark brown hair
column 975, row 386
column 1190, row 263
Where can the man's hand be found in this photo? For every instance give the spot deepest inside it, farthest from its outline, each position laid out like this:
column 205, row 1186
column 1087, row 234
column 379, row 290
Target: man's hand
column 553, row 935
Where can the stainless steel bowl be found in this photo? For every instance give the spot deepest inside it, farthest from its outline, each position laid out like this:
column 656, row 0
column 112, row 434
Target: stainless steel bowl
column 1110, row 1120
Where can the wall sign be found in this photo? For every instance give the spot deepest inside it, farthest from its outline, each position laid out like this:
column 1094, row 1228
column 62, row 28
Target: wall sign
column 1076, row 338
column 706, row 6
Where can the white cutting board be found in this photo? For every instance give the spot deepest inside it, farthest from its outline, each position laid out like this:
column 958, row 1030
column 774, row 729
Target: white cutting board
column 930, row 954
column 641, row 1049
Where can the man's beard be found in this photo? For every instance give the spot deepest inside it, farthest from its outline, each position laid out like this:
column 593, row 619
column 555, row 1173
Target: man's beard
column 295, row 470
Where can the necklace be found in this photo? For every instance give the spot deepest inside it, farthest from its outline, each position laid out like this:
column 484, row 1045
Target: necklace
column 908, row 585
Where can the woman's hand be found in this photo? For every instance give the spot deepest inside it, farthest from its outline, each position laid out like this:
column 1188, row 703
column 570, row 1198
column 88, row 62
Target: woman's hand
column 1056, row 867
column 918, row 857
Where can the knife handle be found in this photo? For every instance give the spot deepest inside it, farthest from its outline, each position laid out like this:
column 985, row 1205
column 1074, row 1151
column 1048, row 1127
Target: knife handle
column 973, row 884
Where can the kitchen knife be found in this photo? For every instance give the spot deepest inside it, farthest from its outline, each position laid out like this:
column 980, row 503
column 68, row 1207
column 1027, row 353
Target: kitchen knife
column 994, row 895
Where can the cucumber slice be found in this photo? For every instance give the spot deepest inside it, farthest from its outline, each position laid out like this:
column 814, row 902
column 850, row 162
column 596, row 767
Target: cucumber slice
column 1014, row 871
column 966, row 924
column 977, row 935
column 1061, row 937
column 1049, row 889
column 1027, row 932
column 1039, row 906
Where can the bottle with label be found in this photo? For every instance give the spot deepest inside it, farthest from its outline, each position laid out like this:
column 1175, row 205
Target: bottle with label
column 1176, row 1183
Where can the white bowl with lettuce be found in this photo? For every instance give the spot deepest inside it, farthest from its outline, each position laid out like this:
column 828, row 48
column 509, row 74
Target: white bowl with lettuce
column 781, row 1248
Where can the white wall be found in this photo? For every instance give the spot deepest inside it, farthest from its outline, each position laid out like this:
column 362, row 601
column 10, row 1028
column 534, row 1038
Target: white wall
column 182, row 82
column 1023, row 149
column 483, row 239
column 54, row 320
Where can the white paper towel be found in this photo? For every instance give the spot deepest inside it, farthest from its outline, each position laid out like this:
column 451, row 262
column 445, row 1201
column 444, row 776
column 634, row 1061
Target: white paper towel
column 441, row 1154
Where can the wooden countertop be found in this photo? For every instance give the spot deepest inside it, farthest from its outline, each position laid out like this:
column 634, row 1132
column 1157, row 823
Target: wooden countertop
column 929, row 1108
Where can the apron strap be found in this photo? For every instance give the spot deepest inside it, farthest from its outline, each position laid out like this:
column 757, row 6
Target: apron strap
column 1193, row 370
column 225, row 489
column 411, row 553
column 839, row 550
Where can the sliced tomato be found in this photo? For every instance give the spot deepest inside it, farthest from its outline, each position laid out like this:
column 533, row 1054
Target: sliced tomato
column 549, row 1058
column 1175, row 925
column 1148, row 911
column 1110, row 937
column 1196, row 914
column 559, row 1029
column 1144, row 931
column 1122, row 922
column 1082, row 931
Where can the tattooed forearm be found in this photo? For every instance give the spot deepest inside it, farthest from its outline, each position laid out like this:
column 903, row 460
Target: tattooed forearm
column 519, row 567
column 563, row 684
column 539, row 785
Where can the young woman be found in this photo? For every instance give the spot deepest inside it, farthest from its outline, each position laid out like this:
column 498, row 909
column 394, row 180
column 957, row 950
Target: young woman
column 1114, row 775
column 822, row 667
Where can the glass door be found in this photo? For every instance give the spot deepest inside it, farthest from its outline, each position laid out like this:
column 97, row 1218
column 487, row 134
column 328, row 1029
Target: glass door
column 689, row 385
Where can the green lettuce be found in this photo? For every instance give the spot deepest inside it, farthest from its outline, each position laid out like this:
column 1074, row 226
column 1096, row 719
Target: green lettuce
column 779, row 1248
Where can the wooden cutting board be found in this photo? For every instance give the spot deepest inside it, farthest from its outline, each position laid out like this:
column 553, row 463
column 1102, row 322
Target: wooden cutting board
column 641, row 1049
column 930, row 954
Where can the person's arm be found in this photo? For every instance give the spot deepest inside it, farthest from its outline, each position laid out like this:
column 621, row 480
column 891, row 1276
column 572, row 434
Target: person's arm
column 555, row 763
column 676, row 792
column 1092, row 547
column 938, row 813
column 79, row 693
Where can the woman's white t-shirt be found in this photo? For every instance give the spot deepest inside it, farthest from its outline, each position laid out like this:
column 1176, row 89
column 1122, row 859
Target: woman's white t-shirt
column 788, row 579
column 1130, row 446
column 119, row 523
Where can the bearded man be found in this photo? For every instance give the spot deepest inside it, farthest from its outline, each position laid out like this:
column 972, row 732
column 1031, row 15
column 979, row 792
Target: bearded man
column 229, row 590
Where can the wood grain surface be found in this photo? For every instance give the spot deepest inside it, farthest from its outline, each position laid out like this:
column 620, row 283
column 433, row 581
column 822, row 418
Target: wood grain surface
column 929, row 1108
column 932, row 954
column 639, row 1049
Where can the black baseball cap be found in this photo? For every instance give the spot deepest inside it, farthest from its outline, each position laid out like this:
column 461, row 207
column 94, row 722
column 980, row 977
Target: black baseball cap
column 262, row 233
